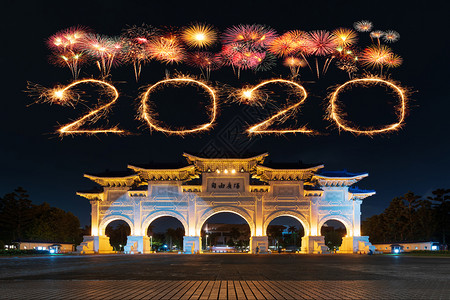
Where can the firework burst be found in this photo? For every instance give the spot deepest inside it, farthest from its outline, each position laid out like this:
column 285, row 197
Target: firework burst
column 294, row 64
column 205, row 61
column 267, row 63
column 199, row 35
column 104, row 49
column 321, row 43
column 256, row 37
column 65, row 45
column 363, row 26
column 391, row 36
column 347, row 65
column 393, row 61
column 69, row 38
column 241, row 57
column 71, row 59
column 166, row 49
column 345, row 37
column 135, row 40
column 375, row 56
column 377, row 34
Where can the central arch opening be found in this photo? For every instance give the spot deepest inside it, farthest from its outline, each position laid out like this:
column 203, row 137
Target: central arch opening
column 225, row 232
column 166, row 234
column 118, row 232
column 333, row 231
column 285, row 234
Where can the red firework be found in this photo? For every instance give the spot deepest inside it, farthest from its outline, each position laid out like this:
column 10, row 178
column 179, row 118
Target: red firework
column 255, row 36
column 321, row 43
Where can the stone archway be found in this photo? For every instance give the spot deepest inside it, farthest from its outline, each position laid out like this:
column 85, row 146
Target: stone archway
column 225, row 209
column 296, row 215
column 153, row 216
column 345, row 221
column 105, row 221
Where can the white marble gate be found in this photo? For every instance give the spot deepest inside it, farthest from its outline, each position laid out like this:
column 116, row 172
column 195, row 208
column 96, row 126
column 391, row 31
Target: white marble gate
column 243, row 186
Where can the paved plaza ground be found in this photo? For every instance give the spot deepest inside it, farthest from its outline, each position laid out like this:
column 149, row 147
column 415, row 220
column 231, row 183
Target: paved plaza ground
column 225, row 276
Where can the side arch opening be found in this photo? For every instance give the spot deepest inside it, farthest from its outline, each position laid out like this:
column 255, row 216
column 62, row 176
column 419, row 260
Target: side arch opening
column 225, row 232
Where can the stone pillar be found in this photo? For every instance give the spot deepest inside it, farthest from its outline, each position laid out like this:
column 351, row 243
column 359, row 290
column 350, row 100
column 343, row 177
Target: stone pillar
column 191, row 216
column 95, row 244
column 137, row 244
column 356, row 217
column 94, row 217
column 314, row 244
column 262, row 242
column 355, row 244
column 258, row 221
column 192, row 244
column 137, row 220
column 314, row 218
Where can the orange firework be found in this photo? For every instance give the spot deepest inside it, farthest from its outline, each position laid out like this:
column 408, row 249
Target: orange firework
column 294, row 64
column 393, row 61
column 289, row 43
column 335, row 113
column 148, row 115
column 375, row 56
column 165, row 49
column 345, row 37
column 253, row 95
column 199, row 36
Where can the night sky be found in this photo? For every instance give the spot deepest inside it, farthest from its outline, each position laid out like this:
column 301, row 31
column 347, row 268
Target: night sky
column 51, row 168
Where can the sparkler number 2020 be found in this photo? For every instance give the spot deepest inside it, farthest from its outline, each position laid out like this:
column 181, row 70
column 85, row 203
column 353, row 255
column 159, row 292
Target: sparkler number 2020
column 244, row 47
column 250, row 96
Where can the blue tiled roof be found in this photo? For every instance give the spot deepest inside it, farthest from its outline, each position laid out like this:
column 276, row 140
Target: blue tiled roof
column 356, row 190
column 340, row 174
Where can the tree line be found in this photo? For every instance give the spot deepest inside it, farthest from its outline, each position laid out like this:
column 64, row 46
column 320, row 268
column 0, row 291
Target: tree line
column 412, row 218
column 20, row 219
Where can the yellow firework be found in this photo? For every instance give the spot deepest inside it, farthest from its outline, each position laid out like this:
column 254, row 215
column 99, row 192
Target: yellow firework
column 345, row 37
column 167, row 50
column 199, row 36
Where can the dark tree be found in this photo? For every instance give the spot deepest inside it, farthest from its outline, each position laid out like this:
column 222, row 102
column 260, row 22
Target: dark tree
column 118, row 232
column 275, row 232
column 174, row 237
column 441, row 199
column 15, row 215
column 410, row 218
column 235, row 233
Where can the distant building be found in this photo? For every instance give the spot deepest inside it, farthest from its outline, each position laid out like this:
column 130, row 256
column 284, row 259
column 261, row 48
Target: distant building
column 406, row 247
column 56, row 247
column 219, row 234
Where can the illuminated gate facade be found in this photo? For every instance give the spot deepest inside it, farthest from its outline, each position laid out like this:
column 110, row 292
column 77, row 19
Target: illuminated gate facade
column 243, row 186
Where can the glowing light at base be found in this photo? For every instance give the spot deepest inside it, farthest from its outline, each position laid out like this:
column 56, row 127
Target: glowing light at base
column 149, row 116
column 336, row 114
column 199, row 36
column 65, row 95
column 251, row 96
